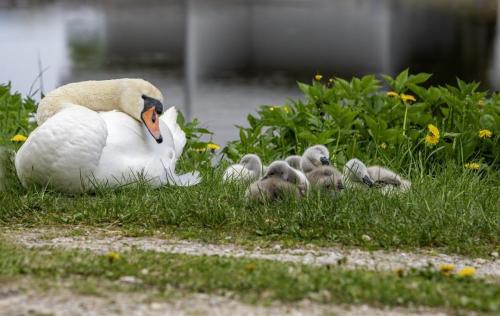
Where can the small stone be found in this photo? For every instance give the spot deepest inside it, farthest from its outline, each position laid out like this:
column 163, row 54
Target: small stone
column 144, row 271
column 366, row 238
column 156, row 306
column 494, row 254
column 130, row 279
column 277, row 247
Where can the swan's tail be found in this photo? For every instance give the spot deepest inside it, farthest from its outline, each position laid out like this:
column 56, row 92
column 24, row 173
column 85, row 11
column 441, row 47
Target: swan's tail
column 184, row 180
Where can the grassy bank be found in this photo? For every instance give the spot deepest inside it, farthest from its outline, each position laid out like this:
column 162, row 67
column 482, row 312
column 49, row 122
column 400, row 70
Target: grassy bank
column 454, row 210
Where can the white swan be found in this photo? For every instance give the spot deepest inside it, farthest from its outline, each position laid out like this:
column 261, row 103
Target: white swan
column 249, row 168
column 103, row 132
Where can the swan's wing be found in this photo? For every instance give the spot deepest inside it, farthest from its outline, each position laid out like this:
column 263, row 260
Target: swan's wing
column 131, row 151
column 236, row 172
column 186, row 179
column 63, row 151
column 178, row 135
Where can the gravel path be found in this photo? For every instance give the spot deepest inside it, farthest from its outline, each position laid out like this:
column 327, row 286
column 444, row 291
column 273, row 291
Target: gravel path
column 15, row 302
column 104, row 241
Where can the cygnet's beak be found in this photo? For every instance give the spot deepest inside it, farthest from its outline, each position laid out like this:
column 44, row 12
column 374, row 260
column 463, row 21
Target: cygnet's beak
column 324, row 161
column 152, row 121
column 368, row 181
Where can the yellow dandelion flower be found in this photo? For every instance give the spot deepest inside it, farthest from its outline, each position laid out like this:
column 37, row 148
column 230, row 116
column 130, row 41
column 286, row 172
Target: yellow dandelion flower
column 213, row 146
column 318, row 77
column 383, row 145
column 392, row 94
column 472, row 166
column 19, row 138
column 446, row 269
column 485, row 133
column 400, row 272
column 431, row 140
column 286, row 109
column 250, row 267
column 466, row 272
column 112, row 256
column 481, row 103
column 407, row 97
column 433, row 130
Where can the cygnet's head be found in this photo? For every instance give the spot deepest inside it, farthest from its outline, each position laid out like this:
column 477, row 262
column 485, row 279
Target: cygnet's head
column 356, row 171
column 313, row 157
column 252, row 162
column 294, row 161
column 280, row 169
column 143, row 101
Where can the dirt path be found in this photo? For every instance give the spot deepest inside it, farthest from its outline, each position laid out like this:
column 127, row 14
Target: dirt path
column 15, row 302
column 104, row 241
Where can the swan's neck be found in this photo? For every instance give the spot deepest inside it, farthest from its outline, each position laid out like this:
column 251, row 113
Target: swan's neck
column 95, row 95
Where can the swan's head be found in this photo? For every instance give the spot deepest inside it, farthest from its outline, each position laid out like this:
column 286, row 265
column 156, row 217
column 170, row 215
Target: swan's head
column 356, row 171
column 315, row 156
column 282, row 170
column 252, row 162
column 143, row 101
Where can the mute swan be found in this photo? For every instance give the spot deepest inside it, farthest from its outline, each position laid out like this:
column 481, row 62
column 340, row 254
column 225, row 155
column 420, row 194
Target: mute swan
column 313, row 157
column 279, row 179
column 355, row 174
column 249, row 168
column 105, row 132
column 316, row 164
column 302, row 179
column 294, row 161
column 388, row 180
column 326, row 177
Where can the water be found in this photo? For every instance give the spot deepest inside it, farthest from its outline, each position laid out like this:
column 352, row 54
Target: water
column 217, row 60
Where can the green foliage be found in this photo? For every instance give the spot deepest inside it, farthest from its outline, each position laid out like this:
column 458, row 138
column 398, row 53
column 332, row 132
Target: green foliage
column 358, row 118
column 197, row 153
column 15, row 112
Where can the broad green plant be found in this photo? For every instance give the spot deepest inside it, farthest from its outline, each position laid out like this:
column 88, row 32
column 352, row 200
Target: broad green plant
column 406, row 127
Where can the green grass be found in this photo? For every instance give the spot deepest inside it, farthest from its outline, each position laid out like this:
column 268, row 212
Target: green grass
column 254, row 280
column 454, row 211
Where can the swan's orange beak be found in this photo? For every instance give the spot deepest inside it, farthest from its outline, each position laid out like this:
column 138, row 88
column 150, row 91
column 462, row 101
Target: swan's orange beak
column 152, row 121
